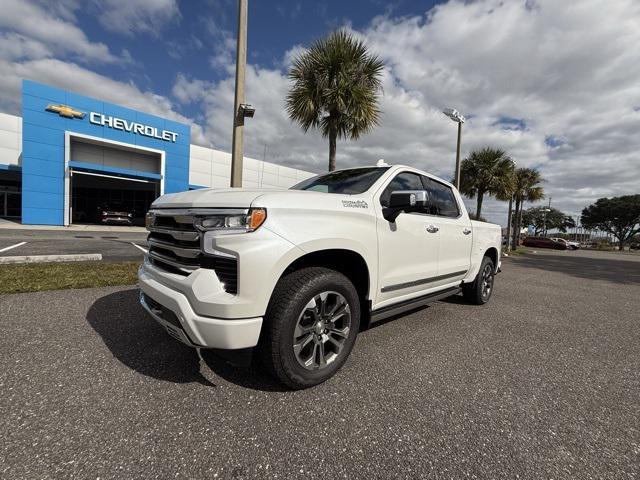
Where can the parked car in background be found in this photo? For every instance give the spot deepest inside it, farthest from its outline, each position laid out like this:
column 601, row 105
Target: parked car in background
column 115, row 212
column 544, row 242
column 573, row 244
column 634, row 246
column 570, row 245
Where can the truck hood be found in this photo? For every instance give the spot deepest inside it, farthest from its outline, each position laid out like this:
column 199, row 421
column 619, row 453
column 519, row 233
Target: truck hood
column 211, row 198
column 269, row 198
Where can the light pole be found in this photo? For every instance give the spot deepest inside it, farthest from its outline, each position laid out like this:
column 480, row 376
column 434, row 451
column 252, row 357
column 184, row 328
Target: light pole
column 457, row 117
column 240, row 109
column 509, row 214
column 544, row 220
column 509, row 224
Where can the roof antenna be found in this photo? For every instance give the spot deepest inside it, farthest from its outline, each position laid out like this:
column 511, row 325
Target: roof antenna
column 382, row 163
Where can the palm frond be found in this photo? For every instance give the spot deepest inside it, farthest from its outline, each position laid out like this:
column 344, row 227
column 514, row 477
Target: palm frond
column 488, row 170
column 336, row 85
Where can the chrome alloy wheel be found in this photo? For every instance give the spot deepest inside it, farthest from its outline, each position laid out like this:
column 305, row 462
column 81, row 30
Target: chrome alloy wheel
column 487, row 281
column 321, row 330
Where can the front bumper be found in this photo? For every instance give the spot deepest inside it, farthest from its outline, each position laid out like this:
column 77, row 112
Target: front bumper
column 117, row 219
column 173, row 311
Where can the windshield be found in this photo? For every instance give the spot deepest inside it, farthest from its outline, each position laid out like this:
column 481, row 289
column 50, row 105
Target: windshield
column 349, row 182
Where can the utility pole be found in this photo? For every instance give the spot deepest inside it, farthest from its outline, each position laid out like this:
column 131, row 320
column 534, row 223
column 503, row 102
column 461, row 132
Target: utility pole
column 544, row 219
column 238, row 104
column 509, row 224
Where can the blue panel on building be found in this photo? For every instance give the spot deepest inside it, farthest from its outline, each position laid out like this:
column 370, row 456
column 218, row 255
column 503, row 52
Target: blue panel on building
column 48, row 113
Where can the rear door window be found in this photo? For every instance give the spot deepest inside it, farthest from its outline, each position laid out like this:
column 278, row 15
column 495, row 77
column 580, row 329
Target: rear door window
column 442, row 201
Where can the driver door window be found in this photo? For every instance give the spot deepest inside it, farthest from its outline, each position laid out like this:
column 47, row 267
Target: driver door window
column 402, row 181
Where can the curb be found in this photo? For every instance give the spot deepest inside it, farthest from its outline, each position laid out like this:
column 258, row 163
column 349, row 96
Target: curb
column 80, row 257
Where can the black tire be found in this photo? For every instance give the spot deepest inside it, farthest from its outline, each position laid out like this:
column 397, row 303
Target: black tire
column 289, row 304
column 476, row 292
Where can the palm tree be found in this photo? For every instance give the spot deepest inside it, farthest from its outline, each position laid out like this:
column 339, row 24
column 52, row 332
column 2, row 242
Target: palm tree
column 527, row 187
column 335, row 88
column 488, row 171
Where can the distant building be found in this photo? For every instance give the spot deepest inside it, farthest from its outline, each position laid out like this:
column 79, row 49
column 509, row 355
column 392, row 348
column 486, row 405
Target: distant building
column 69, row 153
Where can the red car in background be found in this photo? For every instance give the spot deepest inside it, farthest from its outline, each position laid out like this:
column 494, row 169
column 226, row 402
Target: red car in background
column 544, row 242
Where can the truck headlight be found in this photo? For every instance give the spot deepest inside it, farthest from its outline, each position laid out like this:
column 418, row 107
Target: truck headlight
column 232, row 222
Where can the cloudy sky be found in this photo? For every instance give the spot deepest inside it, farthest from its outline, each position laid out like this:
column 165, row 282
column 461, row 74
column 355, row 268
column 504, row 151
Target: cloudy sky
column 555, row 83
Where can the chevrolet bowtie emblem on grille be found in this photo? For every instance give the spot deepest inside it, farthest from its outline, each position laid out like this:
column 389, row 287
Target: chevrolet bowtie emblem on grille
column 65, row 111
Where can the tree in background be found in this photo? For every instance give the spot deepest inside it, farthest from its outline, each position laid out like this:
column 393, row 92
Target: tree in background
column 527, row 187
column 488, row 171
column 619, row 216
column 540, row 217
column 335, row 88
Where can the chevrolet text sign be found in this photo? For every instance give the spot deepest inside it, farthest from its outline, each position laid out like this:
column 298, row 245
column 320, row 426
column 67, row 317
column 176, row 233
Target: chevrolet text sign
column 133, row 127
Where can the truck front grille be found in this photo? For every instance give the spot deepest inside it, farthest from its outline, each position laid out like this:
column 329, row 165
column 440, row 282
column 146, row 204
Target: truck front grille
column 175, row 246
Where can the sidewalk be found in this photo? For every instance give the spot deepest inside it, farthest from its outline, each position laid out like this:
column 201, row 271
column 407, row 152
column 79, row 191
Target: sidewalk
column 7, row 224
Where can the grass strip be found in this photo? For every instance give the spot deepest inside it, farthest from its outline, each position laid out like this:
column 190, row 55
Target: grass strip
column 57, row 276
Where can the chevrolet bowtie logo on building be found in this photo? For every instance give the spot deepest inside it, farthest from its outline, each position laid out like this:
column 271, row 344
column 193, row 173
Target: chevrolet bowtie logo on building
column 65, row 111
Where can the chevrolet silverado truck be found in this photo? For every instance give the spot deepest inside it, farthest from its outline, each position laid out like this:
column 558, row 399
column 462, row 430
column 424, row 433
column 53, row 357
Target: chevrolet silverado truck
column 297, row 273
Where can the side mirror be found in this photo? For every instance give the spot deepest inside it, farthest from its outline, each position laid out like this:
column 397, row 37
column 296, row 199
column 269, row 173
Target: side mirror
column 405, row 201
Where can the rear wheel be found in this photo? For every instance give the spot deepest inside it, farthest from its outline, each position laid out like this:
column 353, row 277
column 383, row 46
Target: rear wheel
column 310, row 327
column 480, row 290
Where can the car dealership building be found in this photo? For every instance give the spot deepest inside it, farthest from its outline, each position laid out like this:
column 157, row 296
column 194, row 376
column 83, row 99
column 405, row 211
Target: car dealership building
column 70, row 154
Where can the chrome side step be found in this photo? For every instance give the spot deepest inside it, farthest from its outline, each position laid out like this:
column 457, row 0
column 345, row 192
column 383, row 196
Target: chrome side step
column 398, row 308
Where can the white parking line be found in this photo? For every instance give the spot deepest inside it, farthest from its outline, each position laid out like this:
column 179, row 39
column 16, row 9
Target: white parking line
column 137, row 246
column 76, row 257
column 12, row 246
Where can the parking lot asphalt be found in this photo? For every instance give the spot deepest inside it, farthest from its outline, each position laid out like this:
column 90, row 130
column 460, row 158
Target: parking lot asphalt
column 113, row 246
column 543, row 382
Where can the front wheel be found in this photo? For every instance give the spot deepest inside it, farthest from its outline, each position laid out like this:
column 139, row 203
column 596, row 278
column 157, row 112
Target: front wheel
column 479, row 291
column 310, row 327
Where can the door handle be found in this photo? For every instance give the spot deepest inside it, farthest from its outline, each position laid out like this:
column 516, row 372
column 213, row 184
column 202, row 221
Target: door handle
column 432, row 229
column 466, row 231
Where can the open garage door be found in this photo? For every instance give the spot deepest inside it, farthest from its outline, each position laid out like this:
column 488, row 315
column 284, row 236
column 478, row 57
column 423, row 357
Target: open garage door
column 104, row 199
column 111, row 184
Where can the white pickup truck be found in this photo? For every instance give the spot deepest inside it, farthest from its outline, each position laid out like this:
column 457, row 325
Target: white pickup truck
column 299, row 272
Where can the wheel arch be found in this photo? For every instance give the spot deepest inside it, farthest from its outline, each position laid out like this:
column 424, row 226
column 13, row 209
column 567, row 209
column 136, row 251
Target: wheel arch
column 492, row 253
column 345, row 261
column 348, row 262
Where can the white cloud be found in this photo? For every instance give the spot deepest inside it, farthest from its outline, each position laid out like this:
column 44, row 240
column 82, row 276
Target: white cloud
column 564, row 72
column 16, row 46
column 37, row 38
column 78, row 79
column 189, row 91
column 53, row 28
column 223, row 45
column 132, row 17
column 565, row 69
